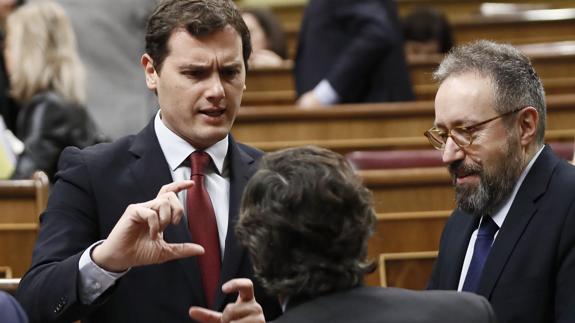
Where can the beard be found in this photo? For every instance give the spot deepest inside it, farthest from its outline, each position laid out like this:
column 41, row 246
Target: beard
column 495, row 183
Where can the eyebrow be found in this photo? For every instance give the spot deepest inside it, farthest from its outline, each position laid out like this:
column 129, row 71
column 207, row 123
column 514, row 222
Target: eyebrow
column 204, row 65
column 237, row 65
column 460, row 123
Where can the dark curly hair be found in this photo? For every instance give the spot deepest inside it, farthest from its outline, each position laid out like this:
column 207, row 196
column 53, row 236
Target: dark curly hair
column 199, row 18
column 305, row 220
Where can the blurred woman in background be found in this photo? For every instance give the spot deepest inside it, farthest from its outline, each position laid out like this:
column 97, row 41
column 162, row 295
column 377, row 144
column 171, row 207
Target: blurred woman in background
column 268, row 39
column 47, row 78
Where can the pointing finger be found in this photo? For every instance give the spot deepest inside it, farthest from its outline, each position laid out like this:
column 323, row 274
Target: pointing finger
column 176, row 187
column 243, row 286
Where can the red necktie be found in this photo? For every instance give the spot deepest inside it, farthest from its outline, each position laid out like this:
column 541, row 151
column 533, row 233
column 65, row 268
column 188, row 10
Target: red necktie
column 203, row 227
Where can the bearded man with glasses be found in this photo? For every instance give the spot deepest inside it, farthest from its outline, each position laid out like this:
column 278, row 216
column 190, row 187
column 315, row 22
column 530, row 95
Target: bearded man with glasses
column 512, row 236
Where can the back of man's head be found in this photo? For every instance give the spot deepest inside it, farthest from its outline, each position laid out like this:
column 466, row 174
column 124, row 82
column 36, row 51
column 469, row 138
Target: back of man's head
column 306, row 219
column 197, row 17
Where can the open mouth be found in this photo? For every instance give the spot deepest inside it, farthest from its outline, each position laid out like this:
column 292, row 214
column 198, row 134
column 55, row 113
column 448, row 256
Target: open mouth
column 213, row 112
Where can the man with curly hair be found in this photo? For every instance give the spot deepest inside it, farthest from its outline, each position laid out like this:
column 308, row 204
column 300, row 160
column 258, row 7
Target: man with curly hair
column 305, row 220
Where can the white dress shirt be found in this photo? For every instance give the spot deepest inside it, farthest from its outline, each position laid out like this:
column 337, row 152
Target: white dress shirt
column 498, row 218
column 94, row 280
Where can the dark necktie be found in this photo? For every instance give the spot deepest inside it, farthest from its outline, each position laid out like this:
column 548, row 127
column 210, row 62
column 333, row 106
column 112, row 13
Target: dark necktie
column 203, row 226
column 483, row 243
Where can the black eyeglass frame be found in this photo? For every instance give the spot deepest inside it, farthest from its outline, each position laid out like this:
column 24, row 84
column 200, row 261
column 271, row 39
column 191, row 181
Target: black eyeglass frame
column 467, row 130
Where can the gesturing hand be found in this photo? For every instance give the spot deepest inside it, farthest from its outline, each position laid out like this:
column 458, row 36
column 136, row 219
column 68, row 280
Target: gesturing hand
column 244, row 310
column 137, row 239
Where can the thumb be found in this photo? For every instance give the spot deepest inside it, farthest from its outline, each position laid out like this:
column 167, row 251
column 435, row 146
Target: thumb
column 204, row 315
column 182, row 250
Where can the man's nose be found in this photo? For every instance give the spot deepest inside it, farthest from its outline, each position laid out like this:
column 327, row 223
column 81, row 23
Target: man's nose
column 215, row 92
column 452, row 152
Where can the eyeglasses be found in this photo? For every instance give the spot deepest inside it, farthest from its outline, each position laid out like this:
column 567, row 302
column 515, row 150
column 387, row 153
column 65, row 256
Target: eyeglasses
column 462, row 136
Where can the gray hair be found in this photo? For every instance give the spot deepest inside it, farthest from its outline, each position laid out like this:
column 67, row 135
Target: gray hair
column 515, row 82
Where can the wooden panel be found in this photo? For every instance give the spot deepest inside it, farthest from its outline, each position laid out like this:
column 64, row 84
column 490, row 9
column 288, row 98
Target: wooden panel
column 405, row 232
column 278, row 98
column 343, row 122
column 383, row 120
column 406, row 270
column 411, row 189
column 270, row 78
column 344, row 146
column 9, row 285
column 553, row 61
column 290, row 14
column 524, row 27
column 21, row 203
column 5, row 272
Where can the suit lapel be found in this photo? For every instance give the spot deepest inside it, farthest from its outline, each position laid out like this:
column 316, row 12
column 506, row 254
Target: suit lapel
column 522, row 210
column 150, row 168
column 151, row 171
column 242, row 167
column 456, row 247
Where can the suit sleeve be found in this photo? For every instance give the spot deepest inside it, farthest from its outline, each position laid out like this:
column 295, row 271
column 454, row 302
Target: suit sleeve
column 373, row 35
column 565, row 280
column 49, row 290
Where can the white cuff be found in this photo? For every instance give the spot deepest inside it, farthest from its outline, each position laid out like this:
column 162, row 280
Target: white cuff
column 94, row 280
column 325, row 93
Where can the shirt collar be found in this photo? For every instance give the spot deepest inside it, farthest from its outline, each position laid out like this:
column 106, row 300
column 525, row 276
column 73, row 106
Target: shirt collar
column 176, row 149
column 500, row 215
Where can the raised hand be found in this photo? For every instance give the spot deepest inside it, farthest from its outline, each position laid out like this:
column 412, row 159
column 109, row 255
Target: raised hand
column 137, row 239
column 244, row 310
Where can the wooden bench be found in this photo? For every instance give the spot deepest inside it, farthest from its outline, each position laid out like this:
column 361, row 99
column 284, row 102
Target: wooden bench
column 411, row 189
column 405, row 232
column 345, row 146
column 5, row 272
column 529, row 26
column 517, row 28
column 410, row 270
column 21, row 202
column 553, row 61
column 383, row 120
column 393, row 159
column 9, row 285
column 290, row 13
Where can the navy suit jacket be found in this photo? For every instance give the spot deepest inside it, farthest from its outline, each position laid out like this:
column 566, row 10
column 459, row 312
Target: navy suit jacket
column 93, row 189
column 357, row 46
column 529, row 275
column 390, row 305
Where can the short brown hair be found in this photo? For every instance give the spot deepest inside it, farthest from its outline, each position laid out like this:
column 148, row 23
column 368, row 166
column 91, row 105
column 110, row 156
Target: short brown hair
column 199, row 18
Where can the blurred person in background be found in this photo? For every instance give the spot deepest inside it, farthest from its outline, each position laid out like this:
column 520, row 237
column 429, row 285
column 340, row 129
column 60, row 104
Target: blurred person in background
column 110, row 37
column 268, row 39
column 426, row 31
column 8, row 107
column 351, row 51
column 47, row 79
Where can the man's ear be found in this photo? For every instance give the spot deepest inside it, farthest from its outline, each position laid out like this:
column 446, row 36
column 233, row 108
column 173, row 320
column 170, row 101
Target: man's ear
column 150, row 71
column 528, row 121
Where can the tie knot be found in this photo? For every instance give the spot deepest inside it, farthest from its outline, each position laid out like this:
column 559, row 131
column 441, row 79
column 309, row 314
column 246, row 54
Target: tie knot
column 488, row 227
column 200, row 160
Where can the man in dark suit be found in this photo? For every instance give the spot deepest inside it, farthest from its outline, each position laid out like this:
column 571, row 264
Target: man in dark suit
column 512, row 236
column 351, row 51
column 305, row 220
column 121, row 240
